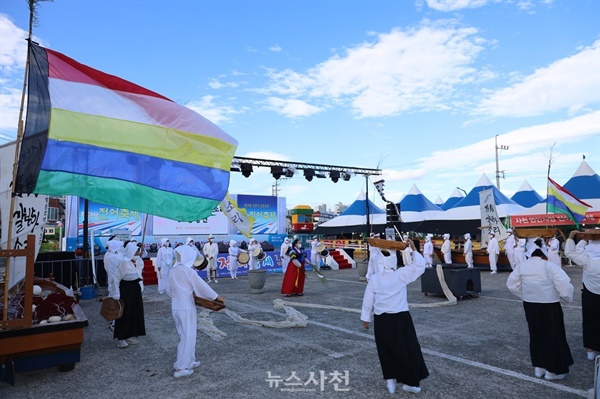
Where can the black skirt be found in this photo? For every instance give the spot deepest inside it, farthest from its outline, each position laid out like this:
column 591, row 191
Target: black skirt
column 590, row 311
column 548, row 345
column 398, row 348
column 131, row 324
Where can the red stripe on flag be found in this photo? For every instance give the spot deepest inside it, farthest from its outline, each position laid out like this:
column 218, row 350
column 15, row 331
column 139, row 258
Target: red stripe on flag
column 62, row 67
column 560, row 188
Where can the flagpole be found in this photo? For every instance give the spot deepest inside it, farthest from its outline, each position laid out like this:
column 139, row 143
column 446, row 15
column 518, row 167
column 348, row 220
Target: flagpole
column 32, row 6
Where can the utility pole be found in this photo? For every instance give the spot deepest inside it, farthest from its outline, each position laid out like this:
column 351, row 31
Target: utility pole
column 498, row 171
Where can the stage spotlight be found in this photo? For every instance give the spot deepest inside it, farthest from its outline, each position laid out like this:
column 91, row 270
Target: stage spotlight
column 308, row 174
column 277, row 171
column 334, row 175
column 347, row 175
column 246, row 169
column 290, row 171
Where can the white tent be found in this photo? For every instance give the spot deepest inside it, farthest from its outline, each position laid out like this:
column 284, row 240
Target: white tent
column 354, row 219
column 415, row 207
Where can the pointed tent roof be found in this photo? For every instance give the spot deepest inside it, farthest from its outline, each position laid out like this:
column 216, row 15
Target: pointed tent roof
column 585, row 185
column 359, row 207
column 468, row 207
column 354, row 218
column 456, row 196
column 416, row 207
column 438, row 201
column 526, row 196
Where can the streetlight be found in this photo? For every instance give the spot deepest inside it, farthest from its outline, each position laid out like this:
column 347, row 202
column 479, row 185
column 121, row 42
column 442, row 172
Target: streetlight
column 498, row 171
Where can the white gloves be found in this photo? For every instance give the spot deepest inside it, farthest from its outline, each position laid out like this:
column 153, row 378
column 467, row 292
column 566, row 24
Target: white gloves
column 142, row 286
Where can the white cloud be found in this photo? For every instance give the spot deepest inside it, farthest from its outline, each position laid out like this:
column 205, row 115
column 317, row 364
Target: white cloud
column 211, row 111
column 521, row 142
column 567, row 84
column 291, row 108
column 10, row 103
column 13, row 48
column 216, row 84
column 400, row 71
column 276, row 48
column 455, row 5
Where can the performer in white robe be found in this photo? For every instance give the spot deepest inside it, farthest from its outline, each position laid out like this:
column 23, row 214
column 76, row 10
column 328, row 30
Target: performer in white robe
column 164, row 261
column 509, row 247
column 127, row 285
column 554, row 251
column 211, row 251
column 375, row 262
column 285, row 258
column 397, row 344
column 190, row 241
column 447, row 249
column 184, row 282
column 520, row 251
column 586, row 254
column 315, row 257
column 112, row 260
column 254, row 263
column 493, row 250
column 428, row 251
column 406, row 252
column 234, row 252
column 468, row 251
column 541, row 285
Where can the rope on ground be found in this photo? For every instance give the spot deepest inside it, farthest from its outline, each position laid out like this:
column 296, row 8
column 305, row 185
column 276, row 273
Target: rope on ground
column 206, row 325
column 451, row 298
column 313, row 305
column 294, row 318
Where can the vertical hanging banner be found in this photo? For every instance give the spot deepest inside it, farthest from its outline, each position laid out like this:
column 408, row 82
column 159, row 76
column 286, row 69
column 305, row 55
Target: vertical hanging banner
column 490, row 222
column 29, row 216
column 237, row 216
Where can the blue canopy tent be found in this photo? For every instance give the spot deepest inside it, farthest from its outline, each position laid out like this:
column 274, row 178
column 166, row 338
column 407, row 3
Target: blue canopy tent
column 526, row 196
column 354, row 219
column 585, row 185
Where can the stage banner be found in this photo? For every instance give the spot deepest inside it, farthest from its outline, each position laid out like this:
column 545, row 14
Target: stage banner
column 102, row 219
column 263, row 208
column 217, row 223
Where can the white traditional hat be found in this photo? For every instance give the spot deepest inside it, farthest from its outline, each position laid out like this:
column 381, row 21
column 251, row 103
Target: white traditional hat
column 115, row 245
column 164, row 240
column 189, row 240
column 232, row 243
column 210, row 236
column 315, row 237
column 287, row 240
column 467, row 236
column 446, row 235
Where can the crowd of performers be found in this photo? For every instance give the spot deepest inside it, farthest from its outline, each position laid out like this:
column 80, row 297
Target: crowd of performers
column 536, row 278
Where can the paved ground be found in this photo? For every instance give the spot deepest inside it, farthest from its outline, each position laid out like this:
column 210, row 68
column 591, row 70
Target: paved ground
column 476, row 349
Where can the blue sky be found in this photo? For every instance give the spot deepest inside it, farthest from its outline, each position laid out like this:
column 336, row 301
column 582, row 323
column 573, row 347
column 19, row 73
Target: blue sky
column 418, row 88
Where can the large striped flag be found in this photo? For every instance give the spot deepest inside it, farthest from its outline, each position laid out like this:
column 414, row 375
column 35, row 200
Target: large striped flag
column 103, row 138
column 562, row 201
